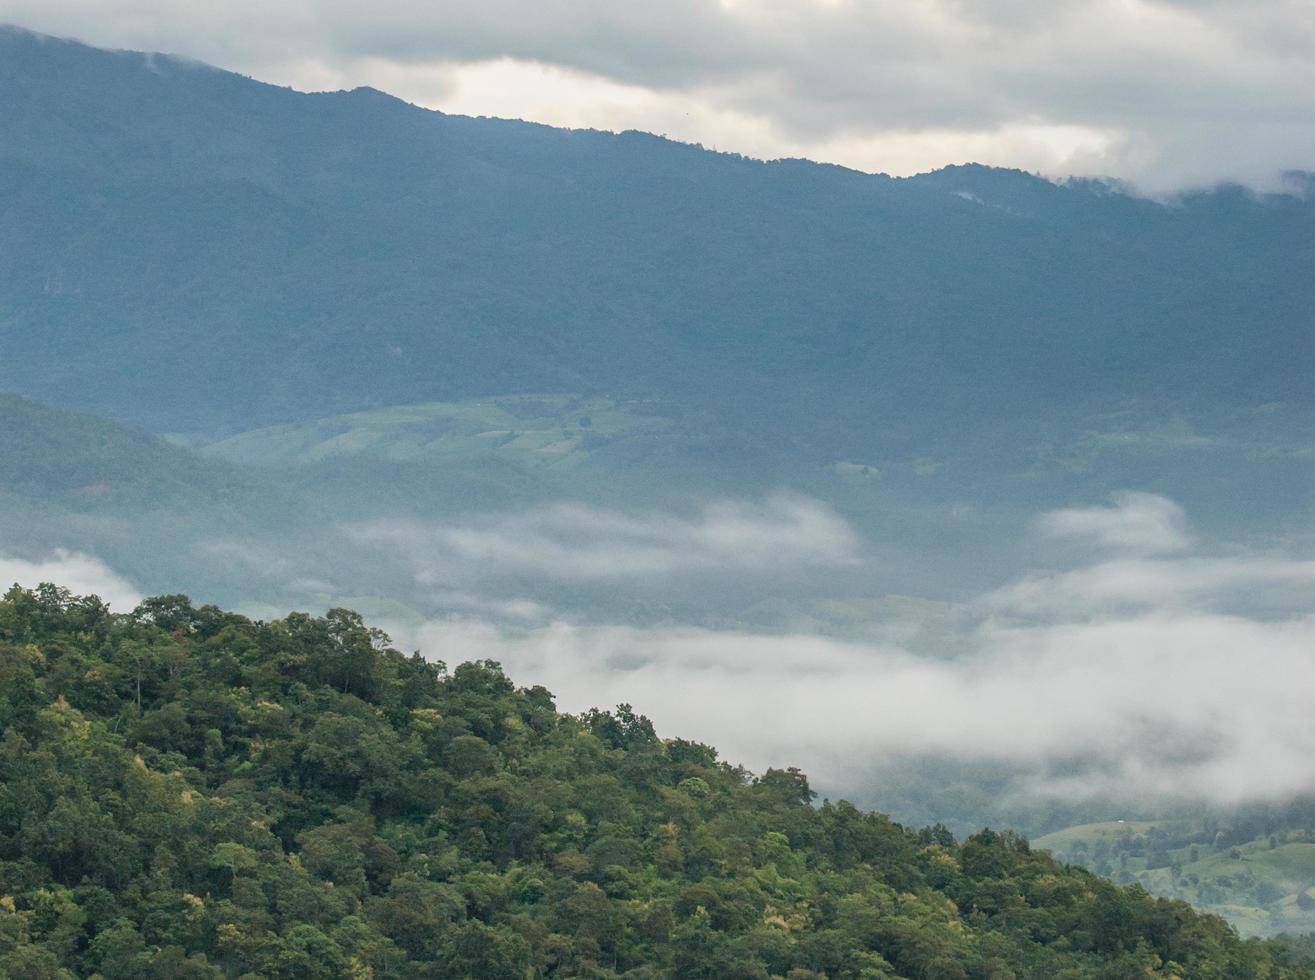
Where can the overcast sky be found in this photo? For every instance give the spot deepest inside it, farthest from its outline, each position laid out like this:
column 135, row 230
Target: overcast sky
column 1165, row 93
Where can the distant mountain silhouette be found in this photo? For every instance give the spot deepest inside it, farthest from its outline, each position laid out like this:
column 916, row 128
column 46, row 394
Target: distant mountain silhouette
column 190, row 250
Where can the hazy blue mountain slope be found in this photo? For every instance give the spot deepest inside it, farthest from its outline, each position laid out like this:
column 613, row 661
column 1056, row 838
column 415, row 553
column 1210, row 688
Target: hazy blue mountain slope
column 196, row 251
column 148, row 508
column 67, row 458
column 488, row 452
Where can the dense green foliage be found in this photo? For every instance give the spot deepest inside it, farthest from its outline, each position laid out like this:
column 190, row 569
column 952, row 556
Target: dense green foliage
column 187, row 793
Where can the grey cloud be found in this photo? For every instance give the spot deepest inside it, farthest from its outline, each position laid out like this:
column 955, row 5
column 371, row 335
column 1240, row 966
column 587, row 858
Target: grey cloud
column 678, row 43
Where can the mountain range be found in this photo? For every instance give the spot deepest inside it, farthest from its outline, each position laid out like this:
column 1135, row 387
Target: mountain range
column 194, row 251
column 287, row 349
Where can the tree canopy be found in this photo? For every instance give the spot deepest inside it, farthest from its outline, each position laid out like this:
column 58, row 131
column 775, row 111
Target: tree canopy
column 186, row 793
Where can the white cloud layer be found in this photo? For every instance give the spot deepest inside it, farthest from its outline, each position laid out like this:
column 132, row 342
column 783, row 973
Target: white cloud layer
column 574, row 542
column 80, row 573
column 1163, row 92
column 1139, row 676
column 1134, row 521
column 1135, row 584
column 1180, row 704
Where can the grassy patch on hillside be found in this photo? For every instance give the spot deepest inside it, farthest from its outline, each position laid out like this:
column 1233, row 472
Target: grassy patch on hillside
column 1264, row 886
column 544, row 430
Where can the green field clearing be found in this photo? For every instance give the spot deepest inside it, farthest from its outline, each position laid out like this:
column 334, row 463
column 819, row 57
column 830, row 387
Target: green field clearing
column 545, row 429
column 1263, row 886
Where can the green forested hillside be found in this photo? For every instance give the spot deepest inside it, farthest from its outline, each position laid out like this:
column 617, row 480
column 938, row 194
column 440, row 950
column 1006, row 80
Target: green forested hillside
column 187, row 793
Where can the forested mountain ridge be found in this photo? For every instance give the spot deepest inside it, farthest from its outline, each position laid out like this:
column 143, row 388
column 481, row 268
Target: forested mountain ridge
column 193, row 250
column 187, row 793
